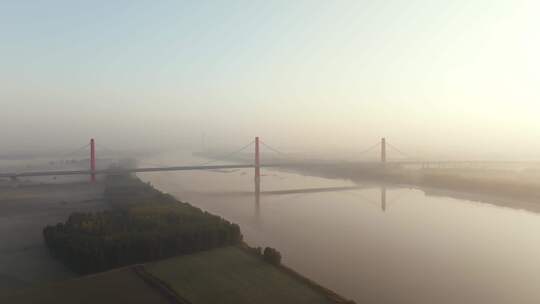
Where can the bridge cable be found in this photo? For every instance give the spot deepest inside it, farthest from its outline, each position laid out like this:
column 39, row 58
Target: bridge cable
column 225, row 156
column 369, row 149
column 271, row 148
column 74, row 151
column 398, row 150
column 104, row 148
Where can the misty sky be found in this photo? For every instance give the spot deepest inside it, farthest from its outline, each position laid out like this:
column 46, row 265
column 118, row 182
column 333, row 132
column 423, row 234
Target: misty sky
column 437, row 78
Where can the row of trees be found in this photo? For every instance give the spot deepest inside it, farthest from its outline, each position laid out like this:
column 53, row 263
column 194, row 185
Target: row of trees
column 143, row 225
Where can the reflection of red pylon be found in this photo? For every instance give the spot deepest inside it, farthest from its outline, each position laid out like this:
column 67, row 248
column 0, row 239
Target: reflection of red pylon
column 257, row 167
column 383, row 150
column 92, row 160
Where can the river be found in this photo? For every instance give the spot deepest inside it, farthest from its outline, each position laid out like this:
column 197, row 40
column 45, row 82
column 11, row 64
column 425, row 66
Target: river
column 371, row 243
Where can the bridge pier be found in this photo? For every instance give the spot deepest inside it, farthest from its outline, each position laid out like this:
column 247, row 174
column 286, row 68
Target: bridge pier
column 257, row 168
column 383, row 198
column 383, row 150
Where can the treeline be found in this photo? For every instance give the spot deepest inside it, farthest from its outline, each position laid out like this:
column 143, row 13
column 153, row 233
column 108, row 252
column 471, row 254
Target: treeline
column 143, row 225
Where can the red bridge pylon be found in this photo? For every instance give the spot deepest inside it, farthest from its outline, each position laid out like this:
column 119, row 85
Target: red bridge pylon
column 92, row 160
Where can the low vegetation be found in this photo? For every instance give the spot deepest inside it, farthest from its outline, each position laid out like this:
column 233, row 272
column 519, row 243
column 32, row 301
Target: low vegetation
column 143, row 225
column 235, row 275
column 116, row 286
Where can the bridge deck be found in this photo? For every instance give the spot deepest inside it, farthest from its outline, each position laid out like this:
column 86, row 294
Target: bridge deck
column 241, row 166
column 130, row 170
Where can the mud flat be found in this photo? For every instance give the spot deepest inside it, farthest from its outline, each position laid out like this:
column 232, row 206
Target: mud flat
column 25, row 208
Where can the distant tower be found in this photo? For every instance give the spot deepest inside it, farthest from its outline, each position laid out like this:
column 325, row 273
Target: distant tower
column 383, row 150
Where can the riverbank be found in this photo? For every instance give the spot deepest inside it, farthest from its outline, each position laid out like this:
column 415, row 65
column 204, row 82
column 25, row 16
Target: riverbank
column 205, row 261
column 517, row 183
column 476, row 182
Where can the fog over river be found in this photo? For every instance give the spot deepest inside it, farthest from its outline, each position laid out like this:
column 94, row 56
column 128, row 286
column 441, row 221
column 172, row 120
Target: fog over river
column 373, row 243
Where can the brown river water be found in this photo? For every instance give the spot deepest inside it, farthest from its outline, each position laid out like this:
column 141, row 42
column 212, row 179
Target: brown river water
column 370, row 243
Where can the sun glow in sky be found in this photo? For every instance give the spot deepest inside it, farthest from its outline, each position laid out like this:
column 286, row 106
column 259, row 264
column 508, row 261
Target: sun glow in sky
column 438, row 78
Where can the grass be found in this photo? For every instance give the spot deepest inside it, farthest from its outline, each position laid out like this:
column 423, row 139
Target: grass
column 117, row 286
column 224, row 275
column 231, row 275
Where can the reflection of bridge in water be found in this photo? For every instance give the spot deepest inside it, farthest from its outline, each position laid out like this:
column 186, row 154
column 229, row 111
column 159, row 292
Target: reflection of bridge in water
column 260, row 194
column 257, row 195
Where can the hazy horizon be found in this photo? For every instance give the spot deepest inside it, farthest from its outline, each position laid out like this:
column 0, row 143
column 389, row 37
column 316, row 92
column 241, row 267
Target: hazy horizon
column 438, row 79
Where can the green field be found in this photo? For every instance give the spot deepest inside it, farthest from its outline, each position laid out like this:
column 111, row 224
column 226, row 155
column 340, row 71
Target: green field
column 114, row 287
column 231, row 275
column 224, row 275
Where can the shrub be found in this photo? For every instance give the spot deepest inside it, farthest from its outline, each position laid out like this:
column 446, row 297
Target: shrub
column 272, row 256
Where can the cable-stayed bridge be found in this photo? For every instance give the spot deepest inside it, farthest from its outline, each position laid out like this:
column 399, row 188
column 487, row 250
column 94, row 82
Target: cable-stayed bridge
column 382, row 148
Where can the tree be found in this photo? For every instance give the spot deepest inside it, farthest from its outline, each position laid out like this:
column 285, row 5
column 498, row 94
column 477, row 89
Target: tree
column 272, row 256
